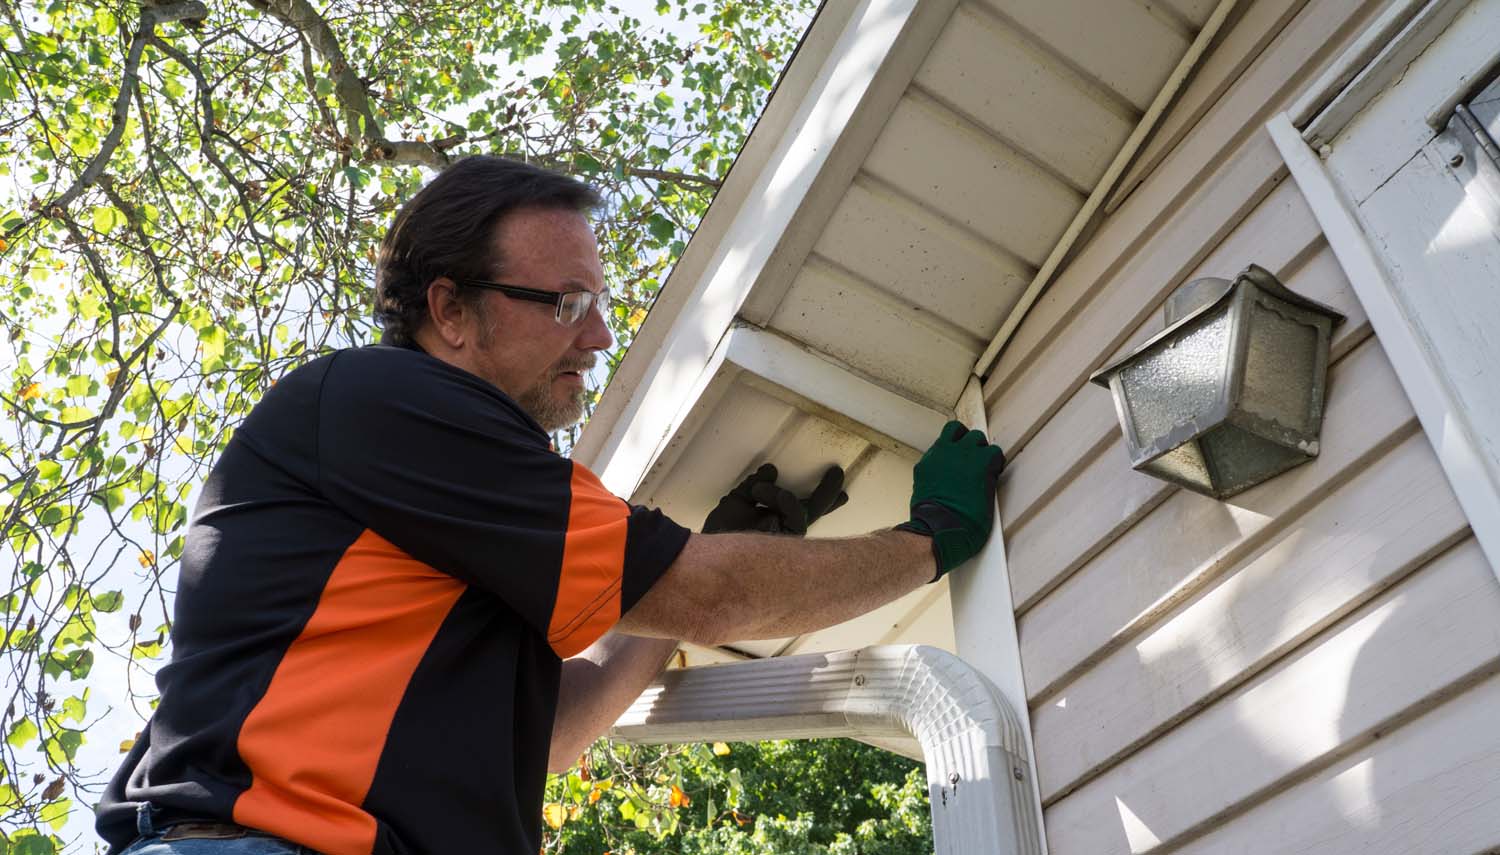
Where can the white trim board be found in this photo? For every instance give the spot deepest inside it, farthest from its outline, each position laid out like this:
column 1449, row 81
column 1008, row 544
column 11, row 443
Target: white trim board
column 1372, row 63
column 808, row 380
column 984, row 612
column 1437, row 409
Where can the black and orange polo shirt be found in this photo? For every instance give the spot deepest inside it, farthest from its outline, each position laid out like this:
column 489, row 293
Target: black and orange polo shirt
column 382, row 575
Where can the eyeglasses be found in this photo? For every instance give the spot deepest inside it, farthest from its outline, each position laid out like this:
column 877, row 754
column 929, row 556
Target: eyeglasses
column 571, row 306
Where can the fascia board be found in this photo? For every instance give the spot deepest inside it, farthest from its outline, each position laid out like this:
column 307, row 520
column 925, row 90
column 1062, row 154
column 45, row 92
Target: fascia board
column 806, row 379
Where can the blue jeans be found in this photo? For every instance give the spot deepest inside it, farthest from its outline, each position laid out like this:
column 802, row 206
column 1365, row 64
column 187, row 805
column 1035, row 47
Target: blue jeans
column 151, row 842
column 250, row 844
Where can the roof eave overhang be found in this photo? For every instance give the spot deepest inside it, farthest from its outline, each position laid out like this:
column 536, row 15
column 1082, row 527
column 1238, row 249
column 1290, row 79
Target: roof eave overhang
column 850, row 71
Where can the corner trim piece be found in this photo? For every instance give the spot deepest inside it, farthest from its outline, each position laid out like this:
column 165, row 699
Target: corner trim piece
column 1444, row 421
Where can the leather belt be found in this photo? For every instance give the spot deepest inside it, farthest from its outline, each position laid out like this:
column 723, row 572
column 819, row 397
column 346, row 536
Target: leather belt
column 204, row 830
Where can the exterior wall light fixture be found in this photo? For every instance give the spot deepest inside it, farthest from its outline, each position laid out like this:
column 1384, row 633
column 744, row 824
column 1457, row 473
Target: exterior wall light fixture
column 1231, row 392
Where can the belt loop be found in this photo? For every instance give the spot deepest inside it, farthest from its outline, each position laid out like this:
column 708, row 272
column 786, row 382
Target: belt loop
column 143, row 823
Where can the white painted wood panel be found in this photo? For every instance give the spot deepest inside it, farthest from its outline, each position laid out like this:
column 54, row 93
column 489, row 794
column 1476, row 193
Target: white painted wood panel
column 1194, row 12
column 1441, row 244
column 770, row 227
column 1195, row 196
column 936, row 156
column 1398, row 119
column 837, row 313
column 1389, row 519
column 1430, row 788
column 1020, row 92
column 734, row 437
column 1191, row 539
column 1401, row 652
column 1120, row 44
column 887, row 238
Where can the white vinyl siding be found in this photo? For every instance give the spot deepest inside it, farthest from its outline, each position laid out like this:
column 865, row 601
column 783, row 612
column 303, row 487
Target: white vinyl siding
column 1261, row 674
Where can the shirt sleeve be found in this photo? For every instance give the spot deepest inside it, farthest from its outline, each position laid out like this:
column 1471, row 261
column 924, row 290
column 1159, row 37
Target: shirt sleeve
column 450, row 470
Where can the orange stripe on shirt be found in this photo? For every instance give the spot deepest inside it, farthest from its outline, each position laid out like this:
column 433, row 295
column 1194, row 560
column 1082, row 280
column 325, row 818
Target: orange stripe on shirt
column 313, row 741
column 588, row 589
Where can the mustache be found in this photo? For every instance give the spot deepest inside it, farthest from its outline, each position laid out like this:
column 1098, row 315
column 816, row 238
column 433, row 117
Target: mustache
column 584, row 365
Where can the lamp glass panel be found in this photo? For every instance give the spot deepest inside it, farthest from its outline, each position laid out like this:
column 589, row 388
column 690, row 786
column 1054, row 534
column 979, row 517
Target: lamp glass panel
column 1184, row 465
column 1242, row 459
column 1279, row 366
column 1178, row 380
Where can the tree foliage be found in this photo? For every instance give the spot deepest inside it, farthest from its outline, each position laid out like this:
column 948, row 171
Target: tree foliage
column 191, row 193
column 828, row 797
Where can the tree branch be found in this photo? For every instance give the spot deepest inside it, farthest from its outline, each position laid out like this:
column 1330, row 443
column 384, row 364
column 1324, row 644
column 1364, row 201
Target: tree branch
column 359, row 114
column 673, row 177
column 151, row 18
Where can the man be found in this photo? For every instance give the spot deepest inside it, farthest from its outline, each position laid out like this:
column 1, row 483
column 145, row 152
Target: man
column 399, row 608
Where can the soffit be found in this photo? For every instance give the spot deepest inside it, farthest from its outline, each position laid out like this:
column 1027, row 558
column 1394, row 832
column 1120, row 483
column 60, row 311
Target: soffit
column 894, row 269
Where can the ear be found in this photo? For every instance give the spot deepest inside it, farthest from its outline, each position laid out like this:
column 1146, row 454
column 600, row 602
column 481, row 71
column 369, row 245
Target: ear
column 446, row 312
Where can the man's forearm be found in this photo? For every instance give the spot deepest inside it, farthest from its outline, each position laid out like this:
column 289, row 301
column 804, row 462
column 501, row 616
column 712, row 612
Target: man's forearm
column 597, row 686
column 747, row 586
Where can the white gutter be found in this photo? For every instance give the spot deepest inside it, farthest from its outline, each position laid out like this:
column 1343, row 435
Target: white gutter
column 978, row 777
column 1107, row 183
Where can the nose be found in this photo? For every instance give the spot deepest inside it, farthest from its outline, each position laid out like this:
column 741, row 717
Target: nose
column 593, row 333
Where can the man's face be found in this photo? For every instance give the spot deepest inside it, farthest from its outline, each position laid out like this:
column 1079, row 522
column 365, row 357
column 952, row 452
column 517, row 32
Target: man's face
column 520, row 347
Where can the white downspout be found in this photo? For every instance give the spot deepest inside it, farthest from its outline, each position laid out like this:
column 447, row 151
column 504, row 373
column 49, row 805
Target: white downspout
column 978, row 775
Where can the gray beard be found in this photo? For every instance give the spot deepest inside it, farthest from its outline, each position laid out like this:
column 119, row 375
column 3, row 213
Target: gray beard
column 550, row 412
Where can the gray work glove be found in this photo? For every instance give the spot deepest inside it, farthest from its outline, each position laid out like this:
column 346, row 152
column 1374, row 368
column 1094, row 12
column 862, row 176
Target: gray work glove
column 757, row 504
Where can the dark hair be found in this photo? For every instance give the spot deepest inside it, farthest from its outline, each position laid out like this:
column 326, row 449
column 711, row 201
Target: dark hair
column 447, row 229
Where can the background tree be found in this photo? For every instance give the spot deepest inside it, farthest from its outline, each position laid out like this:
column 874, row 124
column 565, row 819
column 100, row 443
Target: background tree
column 190, row 198
column 191, row 194
column 826, row 797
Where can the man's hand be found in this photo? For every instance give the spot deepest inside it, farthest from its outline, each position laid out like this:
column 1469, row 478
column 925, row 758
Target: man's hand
column 757, row 504
column 953, row 495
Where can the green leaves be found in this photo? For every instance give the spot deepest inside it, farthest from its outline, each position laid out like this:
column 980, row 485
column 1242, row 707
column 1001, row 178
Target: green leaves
column 828, row 797
column 21, row 733
column 107, row 218
column 227, row 232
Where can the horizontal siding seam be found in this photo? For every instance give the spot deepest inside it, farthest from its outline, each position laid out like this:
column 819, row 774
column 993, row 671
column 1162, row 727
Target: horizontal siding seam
column 1080, row 463
column 1153, row 159
column 963, row 233
column 945, row 111
column 1355, row 743
column 998, row 383
column 909, row 310
column 1309, row 637
column 1088, row 83
column 1192, row 582
column 1218, row 565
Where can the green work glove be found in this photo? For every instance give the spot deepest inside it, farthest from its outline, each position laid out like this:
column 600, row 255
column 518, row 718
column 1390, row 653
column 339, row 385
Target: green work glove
column 953, row 495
